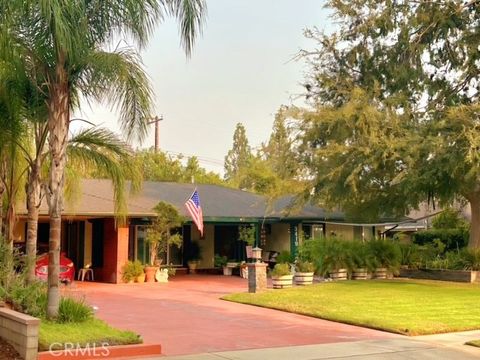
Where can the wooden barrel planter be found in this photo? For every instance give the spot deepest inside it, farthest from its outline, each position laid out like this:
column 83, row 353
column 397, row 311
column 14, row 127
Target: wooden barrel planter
column 282, row 282
column 302, row 278
column 359, row 274
column 340, row 274
column 380, row 273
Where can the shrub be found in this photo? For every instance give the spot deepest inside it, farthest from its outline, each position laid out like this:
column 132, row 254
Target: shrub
column 453, row 239
column 469, row 259
column 29, row 299
column 285, row 258
column 281, row 270
column 305, row 267
column 360, row 255
column 336, row 256
column 74, row 311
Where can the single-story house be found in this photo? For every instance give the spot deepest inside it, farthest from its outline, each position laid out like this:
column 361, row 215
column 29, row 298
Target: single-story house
column 90, row 234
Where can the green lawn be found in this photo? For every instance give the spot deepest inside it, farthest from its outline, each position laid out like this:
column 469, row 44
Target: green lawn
column 399, row 306
column 90, row 332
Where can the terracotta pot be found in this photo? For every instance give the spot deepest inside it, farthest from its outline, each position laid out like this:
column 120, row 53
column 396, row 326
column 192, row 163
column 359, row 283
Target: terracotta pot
column 339, row 274
column 140, row 278
column 302, row 278
column 150, row 273
column 282, row 282
column 380, row 273
column 360, row 274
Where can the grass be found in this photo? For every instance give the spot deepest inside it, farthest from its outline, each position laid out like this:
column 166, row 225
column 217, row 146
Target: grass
column 85, row 333
column 474, row 343
column 398, row 306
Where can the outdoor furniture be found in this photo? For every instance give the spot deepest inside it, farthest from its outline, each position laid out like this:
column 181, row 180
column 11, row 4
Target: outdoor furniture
column 86, row 273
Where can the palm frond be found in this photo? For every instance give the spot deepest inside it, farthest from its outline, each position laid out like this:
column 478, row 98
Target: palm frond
column 118, row 78
column 102, row 148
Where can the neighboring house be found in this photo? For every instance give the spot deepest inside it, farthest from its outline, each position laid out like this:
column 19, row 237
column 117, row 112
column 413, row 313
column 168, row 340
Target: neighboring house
column 89, row 234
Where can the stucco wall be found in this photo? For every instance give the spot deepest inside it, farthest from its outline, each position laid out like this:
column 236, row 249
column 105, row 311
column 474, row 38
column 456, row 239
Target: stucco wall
column 207, row 245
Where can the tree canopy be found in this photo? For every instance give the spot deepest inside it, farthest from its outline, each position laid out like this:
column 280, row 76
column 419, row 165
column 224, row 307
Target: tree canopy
column 394, row 113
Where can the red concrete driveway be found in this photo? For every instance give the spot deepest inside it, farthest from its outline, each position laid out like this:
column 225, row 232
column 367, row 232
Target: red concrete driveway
column 186, row 316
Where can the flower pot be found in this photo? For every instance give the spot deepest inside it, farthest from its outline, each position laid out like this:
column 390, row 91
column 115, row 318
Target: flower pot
column 339, row 274
column 150, row 273
column 140, row 278
column 192, row 267
column 227, row 271
column 282, row 282
column 161, row 275
column 360, row 274
column 302, row 278
column 380, row 273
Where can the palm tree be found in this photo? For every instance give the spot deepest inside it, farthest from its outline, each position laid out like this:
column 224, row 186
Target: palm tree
column 62, row 44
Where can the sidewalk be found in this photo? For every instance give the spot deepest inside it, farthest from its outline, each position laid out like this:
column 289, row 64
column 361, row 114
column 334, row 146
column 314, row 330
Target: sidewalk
column 444, row 346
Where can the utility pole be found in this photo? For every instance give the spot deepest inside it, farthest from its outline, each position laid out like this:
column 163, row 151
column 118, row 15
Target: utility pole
column 155, row 121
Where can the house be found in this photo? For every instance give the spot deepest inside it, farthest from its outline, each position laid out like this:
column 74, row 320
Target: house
column 90, row 234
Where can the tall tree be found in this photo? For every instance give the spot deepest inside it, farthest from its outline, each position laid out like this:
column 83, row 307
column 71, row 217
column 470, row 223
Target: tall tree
column 279, row 151
column 240, row 154
column 63, row 44
column 395, row 94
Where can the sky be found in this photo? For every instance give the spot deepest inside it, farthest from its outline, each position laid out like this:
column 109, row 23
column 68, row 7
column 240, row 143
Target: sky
column 241, row 70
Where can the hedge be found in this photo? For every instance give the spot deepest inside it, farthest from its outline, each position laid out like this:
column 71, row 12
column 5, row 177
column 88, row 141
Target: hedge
column 453, row 239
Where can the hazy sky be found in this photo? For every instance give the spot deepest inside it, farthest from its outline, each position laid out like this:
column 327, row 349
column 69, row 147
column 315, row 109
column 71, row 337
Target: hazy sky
column 240, row 71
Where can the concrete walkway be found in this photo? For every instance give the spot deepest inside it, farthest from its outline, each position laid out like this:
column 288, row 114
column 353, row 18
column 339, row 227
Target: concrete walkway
column 445, row 347
column 186, row 316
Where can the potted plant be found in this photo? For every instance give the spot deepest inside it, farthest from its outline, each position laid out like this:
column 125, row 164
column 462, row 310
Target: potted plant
column 138, row 273
column 304, row 272
column 159, row 236
column 282, row 276
column 360, row 259
column 131, row 271
column 247, row 234
column 335, row 260
column 221, row 261
column 193, row 257
column 386, row 257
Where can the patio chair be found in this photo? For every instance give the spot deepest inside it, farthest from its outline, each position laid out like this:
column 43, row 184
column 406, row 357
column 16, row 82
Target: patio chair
column 86, row 273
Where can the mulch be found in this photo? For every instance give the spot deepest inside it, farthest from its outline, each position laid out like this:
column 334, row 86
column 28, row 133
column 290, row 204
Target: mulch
column 7, row 352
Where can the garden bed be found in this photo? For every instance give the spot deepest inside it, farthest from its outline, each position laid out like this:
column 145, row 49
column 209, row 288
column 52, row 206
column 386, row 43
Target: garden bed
column 466, row 276
column 7, row 352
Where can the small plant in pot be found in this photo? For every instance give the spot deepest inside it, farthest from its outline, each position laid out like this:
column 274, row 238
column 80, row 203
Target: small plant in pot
column 193, row 256
column 221, row 262
column 159, row 236
column 304, row 271
column 282, row 276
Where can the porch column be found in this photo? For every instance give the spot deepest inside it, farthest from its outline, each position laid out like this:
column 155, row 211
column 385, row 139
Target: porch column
column 293, row 238
column 257, row 235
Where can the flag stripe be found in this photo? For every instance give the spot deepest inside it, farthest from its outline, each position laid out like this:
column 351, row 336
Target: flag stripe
column 195, row 210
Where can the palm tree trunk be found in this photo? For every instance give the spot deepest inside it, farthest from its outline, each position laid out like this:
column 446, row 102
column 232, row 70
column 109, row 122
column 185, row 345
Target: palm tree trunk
column 33, row 202
column 58, row 123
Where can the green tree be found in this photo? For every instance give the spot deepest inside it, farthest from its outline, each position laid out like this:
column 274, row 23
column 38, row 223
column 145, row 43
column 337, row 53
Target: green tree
column 62, row 45
column 279, row 151
column 449, row 218
column 239, row 156
column 394, row 93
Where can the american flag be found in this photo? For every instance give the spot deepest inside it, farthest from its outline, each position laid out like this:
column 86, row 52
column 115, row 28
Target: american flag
column 195, row 210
